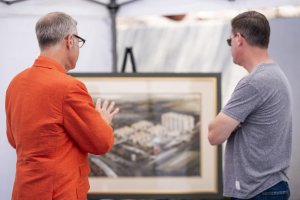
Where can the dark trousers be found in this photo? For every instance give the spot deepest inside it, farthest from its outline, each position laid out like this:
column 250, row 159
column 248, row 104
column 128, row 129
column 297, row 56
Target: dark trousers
column 280, row 191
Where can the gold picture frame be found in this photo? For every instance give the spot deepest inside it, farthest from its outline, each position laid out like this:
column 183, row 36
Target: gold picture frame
column 161, row 148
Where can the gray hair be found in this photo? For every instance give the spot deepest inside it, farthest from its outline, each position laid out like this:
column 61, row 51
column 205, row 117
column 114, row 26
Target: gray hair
column 53, row 27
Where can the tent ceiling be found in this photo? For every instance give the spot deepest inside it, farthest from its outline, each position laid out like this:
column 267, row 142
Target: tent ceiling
column 137, row 8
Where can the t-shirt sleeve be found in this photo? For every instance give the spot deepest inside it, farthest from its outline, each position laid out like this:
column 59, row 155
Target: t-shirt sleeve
column 244, row 100
column 83, row 123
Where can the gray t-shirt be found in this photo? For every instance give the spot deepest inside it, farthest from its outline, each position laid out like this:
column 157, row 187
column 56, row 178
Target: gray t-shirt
column 258, row 153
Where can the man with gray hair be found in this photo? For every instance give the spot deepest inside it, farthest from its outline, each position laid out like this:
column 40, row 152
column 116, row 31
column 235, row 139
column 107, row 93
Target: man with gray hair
column 51, row 119
column 257, row 120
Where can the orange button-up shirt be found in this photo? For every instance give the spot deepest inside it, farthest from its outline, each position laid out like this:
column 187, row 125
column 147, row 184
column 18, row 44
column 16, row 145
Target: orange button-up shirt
column 53, row 124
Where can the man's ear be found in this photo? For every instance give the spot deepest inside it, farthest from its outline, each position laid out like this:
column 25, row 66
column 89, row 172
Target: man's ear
column 240, row 39
column 69, row 41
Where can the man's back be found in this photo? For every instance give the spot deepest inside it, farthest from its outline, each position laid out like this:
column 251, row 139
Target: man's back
column 258, row 153
column 52, row 123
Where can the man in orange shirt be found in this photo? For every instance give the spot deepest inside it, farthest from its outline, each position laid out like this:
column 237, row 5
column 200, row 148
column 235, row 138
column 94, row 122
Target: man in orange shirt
column 51, row 120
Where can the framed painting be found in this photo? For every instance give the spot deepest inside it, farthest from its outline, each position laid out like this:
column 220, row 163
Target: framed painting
column 161, row 148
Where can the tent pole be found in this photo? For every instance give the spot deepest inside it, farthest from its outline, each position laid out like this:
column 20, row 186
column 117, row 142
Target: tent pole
column 113, row 8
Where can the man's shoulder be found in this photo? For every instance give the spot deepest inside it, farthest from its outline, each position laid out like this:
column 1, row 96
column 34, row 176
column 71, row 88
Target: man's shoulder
column 72, row 83
column 16, row 80
column 20, row 74
column 68, row 79
column 262, row 75
column 63, row 79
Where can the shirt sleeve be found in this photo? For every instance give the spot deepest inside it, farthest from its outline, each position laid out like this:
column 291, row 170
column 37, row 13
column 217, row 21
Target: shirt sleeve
column 83, row 123
column 244, row 100
column 9, row 134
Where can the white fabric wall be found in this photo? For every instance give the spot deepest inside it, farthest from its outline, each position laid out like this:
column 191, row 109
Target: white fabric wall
column 20, row 47
column 285, row 49
column 188, row 46
column 195, row 47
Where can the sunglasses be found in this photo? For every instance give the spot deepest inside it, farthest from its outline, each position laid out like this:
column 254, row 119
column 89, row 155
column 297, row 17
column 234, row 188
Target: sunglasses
column 230, row 39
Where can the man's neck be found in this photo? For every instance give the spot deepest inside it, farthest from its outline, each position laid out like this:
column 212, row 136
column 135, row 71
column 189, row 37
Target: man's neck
column 254, row 57
column 56, row 54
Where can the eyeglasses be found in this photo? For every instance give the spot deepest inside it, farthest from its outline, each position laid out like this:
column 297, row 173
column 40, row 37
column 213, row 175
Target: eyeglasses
column 81, row 41
column 229, row 39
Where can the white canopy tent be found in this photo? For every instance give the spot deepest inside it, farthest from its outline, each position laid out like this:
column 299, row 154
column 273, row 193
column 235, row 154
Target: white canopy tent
column 88, row 11
column 137, row 8
column 19, row 48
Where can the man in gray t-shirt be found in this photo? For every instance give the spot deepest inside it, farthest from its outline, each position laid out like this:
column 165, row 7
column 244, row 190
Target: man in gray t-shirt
column 257, row 120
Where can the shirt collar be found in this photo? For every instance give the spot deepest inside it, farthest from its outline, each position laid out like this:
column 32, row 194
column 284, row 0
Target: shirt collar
column 46, row 62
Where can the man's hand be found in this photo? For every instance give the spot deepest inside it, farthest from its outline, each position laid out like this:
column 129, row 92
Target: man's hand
column 107, row 110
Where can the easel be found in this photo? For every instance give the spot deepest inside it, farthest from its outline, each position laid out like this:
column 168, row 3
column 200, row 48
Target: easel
column 128, row 52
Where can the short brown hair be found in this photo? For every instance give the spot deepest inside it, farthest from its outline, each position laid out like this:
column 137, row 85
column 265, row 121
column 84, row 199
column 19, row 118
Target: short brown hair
column 254, row 27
